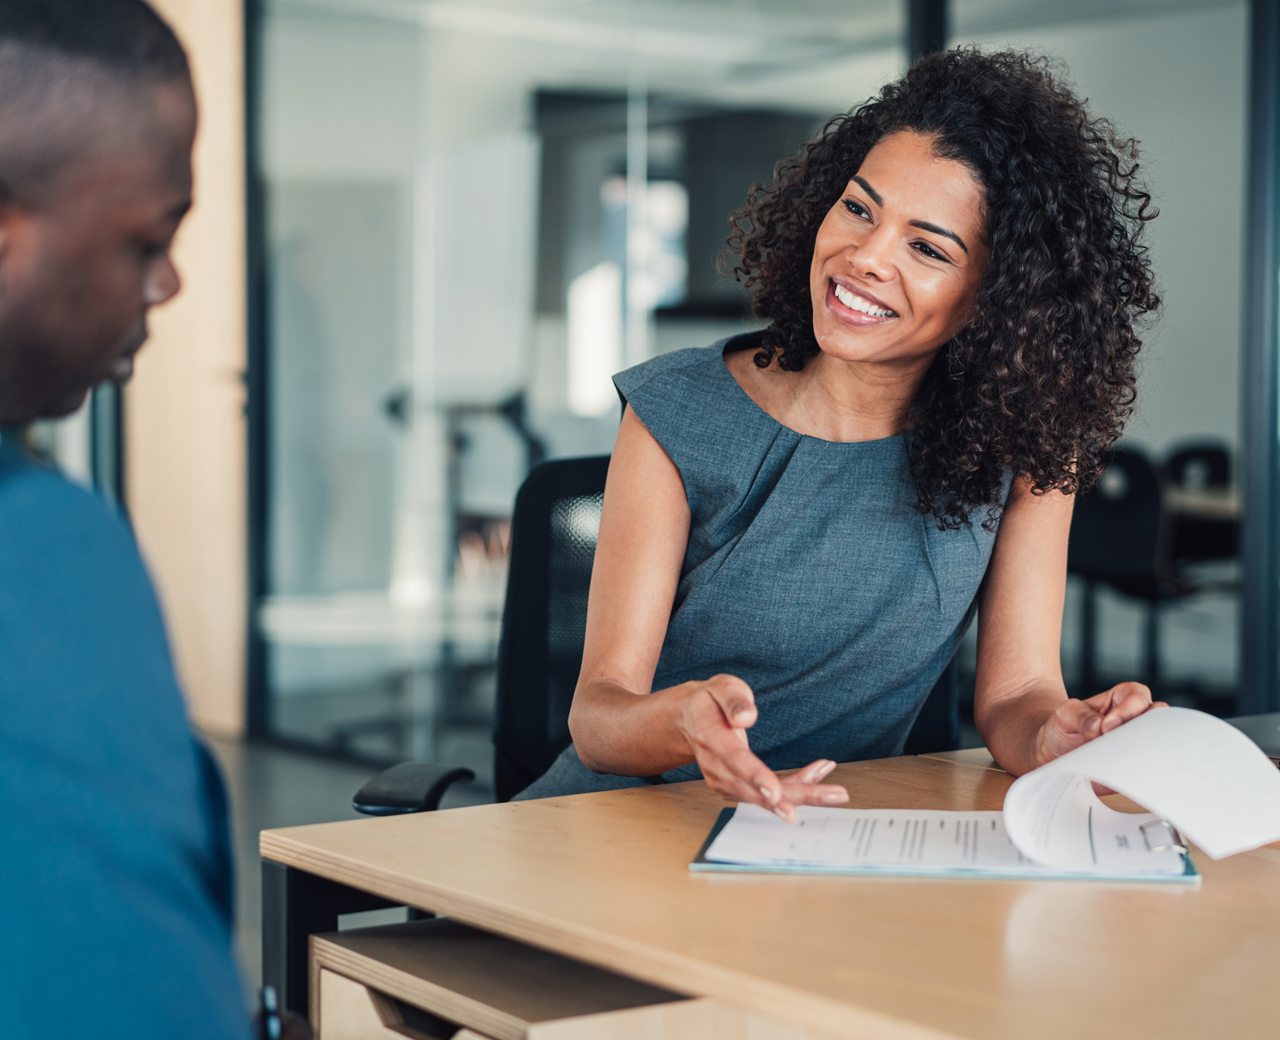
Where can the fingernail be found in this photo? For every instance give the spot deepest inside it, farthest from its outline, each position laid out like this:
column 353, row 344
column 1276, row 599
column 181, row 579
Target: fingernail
column 825, row 769
column 1093, row 724
column 835, row 797
column 766, row 794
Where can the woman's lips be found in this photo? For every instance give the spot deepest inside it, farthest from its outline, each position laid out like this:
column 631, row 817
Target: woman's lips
column 847, row 315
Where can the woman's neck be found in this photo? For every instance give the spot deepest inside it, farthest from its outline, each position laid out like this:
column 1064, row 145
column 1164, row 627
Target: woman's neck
column 831, row 399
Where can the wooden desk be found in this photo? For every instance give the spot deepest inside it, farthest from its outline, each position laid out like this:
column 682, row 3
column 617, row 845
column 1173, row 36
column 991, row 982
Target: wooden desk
column 602, row 878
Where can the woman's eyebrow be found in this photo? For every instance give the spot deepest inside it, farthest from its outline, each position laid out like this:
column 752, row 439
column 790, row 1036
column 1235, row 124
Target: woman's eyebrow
column 875, row 195
column 924, row 225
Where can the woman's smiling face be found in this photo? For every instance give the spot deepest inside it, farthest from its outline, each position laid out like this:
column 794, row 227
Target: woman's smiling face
column 899, row 257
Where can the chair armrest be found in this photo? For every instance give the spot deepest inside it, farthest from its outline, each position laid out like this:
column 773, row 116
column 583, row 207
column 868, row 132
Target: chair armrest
column 408, row 788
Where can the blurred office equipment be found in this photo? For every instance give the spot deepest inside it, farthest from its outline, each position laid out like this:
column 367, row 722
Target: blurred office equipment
column 1143, row 532
column 1115, row 538
column 1203, row 507
column 1263, row 730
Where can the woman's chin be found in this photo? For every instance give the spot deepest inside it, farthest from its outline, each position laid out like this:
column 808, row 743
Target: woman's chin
column 847, row 344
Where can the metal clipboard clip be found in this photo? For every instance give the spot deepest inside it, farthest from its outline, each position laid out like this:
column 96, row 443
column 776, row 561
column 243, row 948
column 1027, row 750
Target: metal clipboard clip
column 1171, row 838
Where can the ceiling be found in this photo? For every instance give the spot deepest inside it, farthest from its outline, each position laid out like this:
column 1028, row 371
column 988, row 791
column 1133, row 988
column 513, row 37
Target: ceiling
column 734, row 50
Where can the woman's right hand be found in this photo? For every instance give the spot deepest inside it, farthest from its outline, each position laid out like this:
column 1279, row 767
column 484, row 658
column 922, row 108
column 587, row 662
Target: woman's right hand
column 715, row 718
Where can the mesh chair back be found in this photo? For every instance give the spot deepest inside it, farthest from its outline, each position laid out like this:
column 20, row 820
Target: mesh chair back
column 553, row 542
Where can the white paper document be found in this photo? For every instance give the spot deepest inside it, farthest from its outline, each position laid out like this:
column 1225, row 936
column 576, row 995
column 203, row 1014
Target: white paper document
column 1200, row 775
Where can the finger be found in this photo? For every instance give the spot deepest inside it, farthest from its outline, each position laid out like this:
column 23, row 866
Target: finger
column 812, row 773
column 1079, row 717
column 1100, row 702
column 734, row 698
column 752, row 781
column 814, row 794
column 711, row 728
column 1128, row 701
column 729, row 766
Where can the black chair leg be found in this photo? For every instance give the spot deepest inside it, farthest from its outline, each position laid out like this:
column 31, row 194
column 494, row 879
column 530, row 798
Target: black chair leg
column 295, row 906
column 1151, row 647
column 1088, row 679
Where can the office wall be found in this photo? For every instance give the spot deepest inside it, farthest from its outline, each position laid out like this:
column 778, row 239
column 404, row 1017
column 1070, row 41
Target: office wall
column 185, row 428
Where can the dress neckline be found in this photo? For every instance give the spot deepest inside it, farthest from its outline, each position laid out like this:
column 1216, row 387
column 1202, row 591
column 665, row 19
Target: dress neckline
column 721, row 351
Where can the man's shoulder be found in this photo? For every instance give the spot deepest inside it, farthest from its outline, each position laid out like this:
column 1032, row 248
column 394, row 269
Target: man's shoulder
column 79, row 620
column 49, row 523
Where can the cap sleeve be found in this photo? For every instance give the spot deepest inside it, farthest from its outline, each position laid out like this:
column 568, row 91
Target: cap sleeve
column 713, row 433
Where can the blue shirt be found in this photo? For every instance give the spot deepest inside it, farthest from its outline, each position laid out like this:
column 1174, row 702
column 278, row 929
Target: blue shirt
column 115, row 863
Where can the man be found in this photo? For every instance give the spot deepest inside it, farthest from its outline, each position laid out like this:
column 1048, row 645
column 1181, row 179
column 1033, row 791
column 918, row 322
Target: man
column 114, row 864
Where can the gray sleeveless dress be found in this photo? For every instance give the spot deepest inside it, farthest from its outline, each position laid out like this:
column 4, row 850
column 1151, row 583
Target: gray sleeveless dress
column 808, row 573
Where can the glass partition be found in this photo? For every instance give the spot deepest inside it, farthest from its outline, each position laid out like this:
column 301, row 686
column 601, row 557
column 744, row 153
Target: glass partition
column 475, row 214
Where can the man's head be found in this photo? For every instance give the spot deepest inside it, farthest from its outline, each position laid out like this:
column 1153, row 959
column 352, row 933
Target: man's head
column 97, row 118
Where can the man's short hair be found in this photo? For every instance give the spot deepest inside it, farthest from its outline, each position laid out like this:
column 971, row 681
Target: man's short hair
column 126, row 36
column 67, row 68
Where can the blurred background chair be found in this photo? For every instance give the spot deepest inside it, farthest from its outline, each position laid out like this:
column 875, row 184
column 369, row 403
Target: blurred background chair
column 1141, row 531
column 1201, row 504
column 553, row 540
column 1116, row 540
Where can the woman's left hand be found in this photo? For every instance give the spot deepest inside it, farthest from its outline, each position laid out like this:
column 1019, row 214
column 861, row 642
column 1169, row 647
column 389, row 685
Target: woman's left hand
column 1076, row 722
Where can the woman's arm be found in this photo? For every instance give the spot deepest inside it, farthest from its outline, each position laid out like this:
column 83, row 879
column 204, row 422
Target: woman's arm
column 618, row 726
column 1021, row 705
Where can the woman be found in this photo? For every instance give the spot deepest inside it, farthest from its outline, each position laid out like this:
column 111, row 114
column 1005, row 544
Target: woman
column 797, row 522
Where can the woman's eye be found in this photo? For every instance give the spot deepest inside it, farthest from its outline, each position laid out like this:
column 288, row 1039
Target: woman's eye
column 855, row 208
column 930, row 252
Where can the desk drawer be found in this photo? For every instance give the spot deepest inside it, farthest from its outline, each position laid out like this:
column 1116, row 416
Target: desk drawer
column 443, row 980
column 462, row 977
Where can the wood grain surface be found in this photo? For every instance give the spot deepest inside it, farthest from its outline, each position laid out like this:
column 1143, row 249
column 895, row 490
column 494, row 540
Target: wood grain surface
column 604, row 878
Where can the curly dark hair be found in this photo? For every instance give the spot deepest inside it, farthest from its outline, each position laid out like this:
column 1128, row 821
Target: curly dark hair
column 1043, row 381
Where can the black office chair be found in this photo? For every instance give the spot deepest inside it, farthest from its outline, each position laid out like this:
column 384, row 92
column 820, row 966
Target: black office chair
column 1197, row 539
column 553, row 540
column 1116, row 539
column 553, row 543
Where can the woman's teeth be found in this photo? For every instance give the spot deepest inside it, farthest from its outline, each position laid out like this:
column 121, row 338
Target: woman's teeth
column 857, row 303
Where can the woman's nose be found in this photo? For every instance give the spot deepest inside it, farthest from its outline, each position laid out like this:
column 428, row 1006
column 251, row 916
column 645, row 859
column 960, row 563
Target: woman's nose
column 872, row 256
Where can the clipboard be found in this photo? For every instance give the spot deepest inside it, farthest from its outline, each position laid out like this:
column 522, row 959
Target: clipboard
column 1158, row 835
